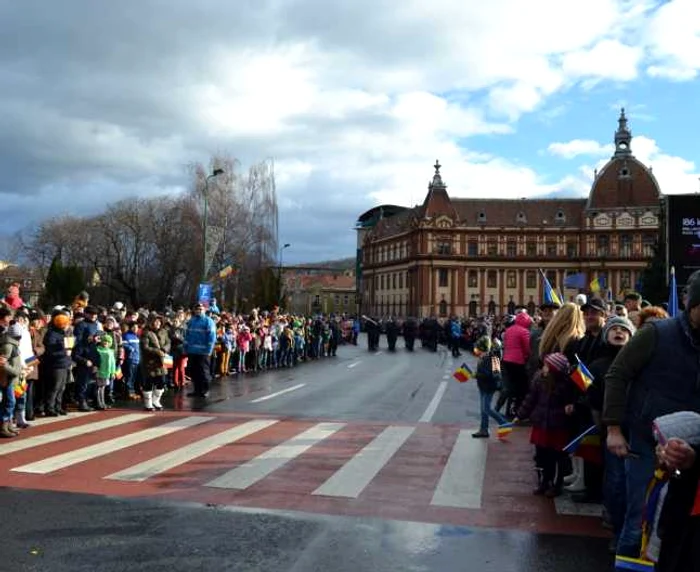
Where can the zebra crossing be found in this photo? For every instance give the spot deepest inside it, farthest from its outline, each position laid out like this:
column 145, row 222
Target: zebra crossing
column 408, row 471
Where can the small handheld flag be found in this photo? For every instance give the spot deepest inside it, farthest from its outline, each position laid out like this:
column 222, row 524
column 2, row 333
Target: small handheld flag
column 463, row 373
column 576, row 443
column 581, row 376
column 168, row 362
column 504, row 431
column 31, row 361
column 633, row 564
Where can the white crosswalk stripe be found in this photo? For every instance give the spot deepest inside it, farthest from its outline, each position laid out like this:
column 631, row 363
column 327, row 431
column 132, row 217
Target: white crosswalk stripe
column 261, row 466
column 462, row 481
column 350, row 480
column 38, row 440
column 180, row 456
column 41, row 421
column 70, row 458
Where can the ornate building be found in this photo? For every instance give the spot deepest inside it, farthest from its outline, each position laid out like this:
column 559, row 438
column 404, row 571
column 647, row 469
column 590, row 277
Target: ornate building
column 475, row 256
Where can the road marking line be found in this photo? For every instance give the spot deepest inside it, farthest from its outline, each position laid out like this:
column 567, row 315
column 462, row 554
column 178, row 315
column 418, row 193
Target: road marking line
column 350, row 366
column 445, row 377
column 70, row 432
column 282, row 392
column 70, row 458
column 380, row 352
column 462, row 480
column 180, row 456
column 261, row 466
column 38, row 422
column 353, row 477
column 433, row 405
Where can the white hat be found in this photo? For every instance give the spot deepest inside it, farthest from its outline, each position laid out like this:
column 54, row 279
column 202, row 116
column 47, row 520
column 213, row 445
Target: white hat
column 118, row 306
column 581, row 299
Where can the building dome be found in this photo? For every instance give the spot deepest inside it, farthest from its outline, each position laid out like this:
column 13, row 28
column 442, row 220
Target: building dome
column 624, row 181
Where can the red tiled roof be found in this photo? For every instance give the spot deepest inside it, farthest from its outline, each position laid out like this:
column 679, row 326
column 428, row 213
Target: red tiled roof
column 520, row 212
column 609, row 191
column 324, row 281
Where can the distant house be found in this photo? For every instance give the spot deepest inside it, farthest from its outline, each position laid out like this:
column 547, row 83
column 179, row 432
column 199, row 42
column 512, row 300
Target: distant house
column 31, row 283
column 319, row 293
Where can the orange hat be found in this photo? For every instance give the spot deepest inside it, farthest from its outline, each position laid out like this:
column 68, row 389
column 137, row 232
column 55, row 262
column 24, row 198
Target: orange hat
column 61, row 321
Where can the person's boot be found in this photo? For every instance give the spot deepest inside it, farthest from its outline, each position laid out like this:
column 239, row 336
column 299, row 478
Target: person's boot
column 577, row 484
column 84, row 407
column 5, row 431
column 21, row 420
column 157, row 394
column 99, row 400
column 542, row 484
column 148, row 401
column 481, row 434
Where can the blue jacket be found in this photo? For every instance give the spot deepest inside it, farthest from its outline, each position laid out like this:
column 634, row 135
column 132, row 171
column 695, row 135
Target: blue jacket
column 200, row 336
column 132, row 348
column 85, row 347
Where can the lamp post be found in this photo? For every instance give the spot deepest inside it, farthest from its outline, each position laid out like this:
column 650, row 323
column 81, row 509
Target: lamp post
column 214, row 174
column 279, row 273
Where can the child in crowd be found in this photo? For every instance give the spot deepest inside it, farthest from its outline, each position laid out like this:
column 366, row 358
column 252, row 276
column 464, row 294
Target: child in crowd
column 548, row 404
column 488, row 379
column 106, row 370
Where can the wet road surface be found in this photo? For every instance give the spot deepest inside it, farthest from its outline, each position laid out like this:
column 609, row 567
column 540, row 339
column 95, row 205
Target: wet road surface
column 362, row 461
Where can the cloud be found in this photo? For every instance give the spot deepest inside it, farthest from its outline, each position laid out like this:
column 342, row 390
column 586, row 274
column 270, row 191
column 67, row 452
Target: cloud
column 354, row 100
column 578, row 147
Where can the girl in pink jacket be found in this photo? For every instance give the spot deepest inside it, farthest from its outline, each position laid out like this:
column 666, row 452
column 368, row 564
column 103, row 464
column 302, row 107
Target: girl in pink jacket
column 516, row 352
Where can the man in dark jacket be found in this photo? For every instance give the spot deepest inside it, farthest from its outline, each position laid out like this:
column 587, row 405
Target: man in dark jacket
column 56, row 363
column 655, row 374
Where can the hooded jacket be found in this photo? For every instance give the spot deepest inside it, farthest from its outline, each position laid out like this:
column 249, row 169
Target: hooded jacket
column 516, row 340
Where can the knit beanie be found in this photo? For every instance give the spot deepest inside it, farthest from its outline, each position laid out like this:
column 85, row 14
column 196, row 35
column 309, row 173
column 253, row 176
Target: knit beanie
column 61, row 321
column 483, row 344
column 557, row 363
column 15, row 331
column 620, row 321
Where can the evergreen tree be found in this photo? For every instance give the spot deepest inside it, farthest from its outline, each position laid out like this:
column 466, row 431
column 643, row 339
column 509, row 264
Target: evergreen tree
column 62, row 284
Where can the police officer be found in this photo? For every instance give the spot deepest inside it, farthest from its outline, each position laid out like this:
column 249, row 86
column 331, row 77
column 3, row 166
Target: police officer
column 392, row 333
column 410, row 329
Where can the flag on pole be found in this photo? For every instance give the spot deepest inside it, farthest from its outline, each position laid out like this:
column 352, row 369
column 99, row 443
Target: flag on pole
column 463, row 373
column 595, row 285
column 633, row 564
column 550, row 294
column 504, row 431
column 581, row 376
column 673, row 294
column 576, row 443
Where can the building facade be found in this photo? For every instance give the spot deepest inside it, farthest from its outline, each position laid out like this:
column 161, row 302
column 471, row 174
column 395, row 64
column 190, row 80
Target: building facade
column 330, row 293
column 484, row 256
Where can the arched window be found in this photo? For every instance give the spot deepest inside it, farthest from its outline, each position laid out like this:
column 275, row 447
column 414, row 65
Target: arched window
column 443, row 308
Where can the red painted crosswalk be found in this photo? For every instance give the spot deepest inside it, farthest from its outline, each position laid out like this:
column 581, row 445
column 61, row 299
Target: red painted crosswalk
column 419, row 472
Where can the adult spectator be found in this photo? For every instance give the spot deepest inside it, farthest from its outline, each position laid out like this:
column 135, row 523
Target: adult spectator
column 655, row 374
column 516, row 352
column 633, row 303
column 200, row 337
column 85, row 356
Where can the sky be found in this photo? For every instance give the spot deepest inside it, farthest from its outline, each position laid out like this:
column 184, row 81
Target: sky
column 353, row 99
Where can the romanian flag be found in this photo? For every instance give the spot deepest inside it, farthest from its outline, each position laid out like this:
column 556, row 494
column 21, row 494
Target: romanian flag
column 19, row 389
column 504, row 431
column 572, row 447
column 463, row 373
column 118, row 374
column 168, row 362
column 581, row 376
column 595, row 285
column 550, row 294
column 634, row 564
column 31, row 361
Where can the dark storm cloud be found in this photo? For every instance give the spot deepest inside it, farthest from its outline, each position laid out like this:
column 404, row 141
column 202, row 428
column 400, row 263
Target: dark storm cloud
column 98, row 105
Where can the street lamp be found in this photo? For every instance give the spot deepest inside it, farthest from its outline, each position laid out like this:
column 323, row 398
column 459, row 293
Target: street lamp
column 279, row 273
column 214, row 174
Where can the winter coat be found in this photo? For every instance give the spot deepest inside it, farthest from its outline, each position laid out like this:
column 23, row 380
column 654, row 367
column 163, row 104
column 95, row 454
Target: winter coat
column 599, row 368
column 177, row 340
column 487, row 380
column 544, row 406
column 85, row 349
column 200, row 336
column 516, row 340
column 56, row 355
column 12, row 371
column 155, row 345
column 107, row 367
column 132, row 348
column 37, row 337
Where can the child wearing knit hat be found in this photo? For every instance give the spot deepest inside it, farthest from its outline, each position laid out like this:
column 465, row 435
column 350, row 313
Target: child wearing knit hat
column 548, row 405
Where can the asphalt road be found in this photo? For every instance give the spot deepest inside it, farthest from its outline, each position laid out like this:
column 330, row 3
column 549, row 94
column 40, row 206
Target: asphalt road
column 356, row 385
column 174, row 522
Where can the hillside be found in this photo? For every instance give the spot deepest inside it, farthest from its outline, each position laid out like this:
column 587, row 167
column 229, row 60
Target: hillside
column 338, row 264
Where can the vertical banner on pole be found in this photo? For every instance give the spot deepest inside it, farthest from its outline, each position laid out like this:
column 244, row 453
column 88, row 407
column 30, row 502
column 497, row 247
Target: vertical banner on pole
column 204, row 294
